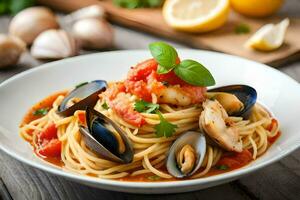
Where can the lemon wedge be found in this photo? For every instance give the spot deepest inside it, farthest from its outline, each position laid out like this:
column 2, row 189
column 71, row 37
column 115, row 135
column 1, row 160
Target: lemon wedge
column 269, row 37
column 196, row 15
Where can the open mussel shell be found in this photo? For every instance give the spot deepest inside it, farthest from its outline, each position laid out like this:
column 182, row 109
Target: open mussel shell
column 197, row 141
column 88, row 95
column 102, row 140
column 246, row 94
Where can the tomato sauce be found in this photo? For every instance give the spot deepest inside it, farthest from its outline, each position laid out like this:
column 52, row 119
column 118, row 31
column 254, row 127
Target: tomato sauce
column 231, row 160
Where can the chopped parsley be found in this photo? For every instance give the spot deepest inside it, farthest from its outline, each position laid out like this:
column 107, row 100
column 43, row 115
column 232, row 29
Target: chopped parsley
column 154, row 178
column 164, row 128
column 222, row 167
column 242, row 29
column 105, row 106
column 41, row 111
column 146, row 107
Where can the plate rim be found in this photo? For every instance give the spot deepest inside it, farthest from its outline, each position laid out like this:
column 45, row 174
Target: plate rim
column 145, row 185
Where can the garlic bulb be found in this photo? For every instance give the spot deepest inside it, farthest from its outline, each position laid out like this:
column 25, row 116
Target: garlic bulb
column 11, row 49
column 94, row 11
column 29, row 23
column 93, row 33
column 54, row 44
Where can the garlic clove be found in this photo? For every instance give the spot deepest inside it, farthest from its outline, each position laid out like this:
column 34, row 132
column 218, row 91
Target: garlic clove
column 54, row 44
column 29, row 23
column 93, row 33
column 94, row 11
column 11, row 48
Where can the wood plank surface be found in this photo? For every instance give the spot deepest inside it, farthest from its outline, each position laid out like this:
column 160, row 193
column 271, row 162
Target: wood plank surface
column 223, row 39
column 280, row 180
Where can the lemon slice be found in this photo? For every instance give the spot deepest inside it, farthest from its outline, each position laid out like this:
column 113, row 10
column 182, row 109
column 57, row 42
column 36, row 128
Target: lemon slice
column 196, row 15
column 269, row 37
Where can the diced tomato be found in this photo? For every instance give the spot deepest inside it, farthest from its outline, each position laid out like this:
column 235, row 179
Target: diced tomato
column 235, row 160
column 171, row 78
column 49, row 133
column 142, row 70
column 273, row 139
column 138, row 88
column 51, row 148
column 273, row 123
column 81, row 117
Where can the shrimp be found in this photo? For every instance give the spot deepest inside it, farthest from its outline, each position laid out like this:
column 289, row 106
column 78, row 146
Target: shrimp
column 213, row 122
column 143, row 81
column 122, row 105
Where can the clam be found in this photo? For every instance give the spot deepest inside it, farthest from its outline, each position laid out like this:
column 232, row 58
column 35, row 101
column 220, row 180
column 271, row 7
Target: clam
column 186, row 154
column 81, row 97
column 106, row 138
column 239, row 103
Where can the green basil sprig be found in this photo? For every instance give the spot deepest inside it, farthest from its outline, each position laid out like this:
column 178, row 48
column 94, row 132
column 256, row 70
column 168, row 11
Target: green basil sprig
column 190, row 71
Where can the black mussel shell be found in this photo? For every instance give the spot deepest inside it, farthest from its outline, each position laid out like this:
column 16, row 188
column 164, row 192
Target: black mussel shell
column 102, row 140
column 88, row 93
column 246, row 94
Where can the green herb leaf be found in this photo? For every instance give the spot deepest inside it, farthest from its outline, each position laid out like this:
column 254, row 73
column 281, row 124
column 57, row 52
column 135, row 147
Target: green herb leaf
column 164, row 128
column 81, row 84
column 132, row 4
column 222, row 167
column 194, row 73
column 162, row 70
column 165, row 55
column 18, row 5
column 4, row 6
column 154, row 178
column 105, row 106
column 39, row 112
column 143, row 106
column 242, row 29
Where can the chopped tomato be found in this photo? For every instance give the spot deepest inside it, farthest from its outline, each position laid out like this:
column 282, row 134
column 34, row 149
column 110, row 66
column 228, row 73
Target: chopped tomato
column 273, row 123
column 81, row 117
column 51, row 148
column 273, row 139
column 235, row 160
column 49, row 133
column 142, row 70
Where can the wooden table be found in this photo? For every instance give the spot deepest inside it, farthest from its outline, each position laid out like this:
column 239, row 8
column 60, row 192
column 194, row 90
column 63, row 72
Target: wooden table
column 280, row 180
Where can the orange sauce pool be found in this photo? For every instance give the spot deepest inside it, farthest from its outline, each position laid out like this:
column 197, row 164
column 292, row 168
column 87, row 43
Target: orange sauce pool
column 149, row 177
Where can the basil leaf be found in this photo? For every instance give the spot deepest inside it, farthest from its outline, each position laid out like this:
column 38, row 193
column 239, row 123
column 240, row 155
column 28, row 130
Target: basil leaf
column 164, row 54
column 194, row 73
column 162, row 70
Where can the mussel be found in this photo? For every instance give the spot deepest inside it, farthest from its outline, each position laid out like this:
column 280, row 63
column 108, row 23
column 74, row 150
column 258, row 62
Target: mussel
column 81, row 97
column 239, row 103
column 186, row 154
column 106, row 138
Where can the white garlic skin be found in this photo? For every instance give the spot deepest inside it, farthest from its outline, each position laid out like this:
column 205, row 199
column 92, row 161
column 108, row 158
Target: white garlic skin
column 29, row 23
column 54, row 44
column 93, row 33
column 94, row 11
column 11, row 49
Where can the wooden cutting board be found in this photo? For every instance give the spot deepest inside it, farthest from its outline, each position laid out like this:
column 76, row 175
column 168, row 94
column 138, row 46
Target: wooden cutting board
column 222, row 40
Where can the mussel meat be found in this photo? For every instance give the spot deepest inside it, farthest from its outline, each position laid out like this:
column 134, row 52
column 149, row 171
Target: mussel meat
column 81, row 97
column 106, row 138
column 239, row 103
column 186, row 154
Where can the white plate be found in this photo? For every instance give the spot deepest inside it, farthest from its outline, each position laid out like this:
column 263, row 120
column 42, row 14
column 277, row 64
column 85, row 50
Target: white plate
column 277, row 91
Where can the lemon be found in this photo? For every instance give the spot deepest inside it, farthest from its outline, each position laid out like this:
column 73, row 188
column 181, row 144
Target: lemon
column 256, row 8
column 269, row 37
column 196, row 15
